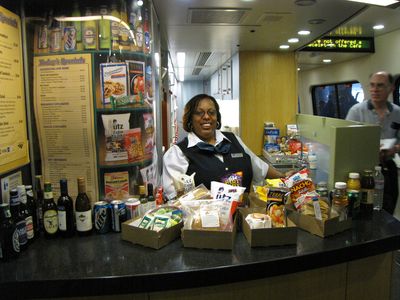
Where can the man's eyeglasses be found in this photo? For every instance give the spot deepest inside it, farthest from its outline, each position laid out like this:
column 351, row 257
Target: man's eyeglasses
column 378, row 86
column 201, row 113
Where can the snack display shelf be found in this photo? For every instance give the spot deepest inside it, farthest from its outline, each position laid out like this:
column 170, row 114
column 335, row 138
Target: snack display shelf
column 356, row 260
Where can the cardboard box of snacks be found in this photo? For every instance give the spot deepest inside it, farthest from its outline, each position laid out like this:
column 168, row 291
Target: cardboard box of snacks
column 264, row 237
column 149, row 238
column 311, row 224
column 209, row 239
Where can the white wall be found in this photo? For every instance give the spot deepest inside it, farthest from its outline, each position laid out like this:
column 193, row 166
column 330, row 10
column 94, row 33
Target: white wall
column 385, row 58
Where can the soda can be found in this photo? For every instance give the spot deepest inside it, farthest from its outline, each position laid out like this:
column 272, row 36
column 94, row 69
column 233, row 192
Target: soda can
column 118, row 214
column 69, row 38
column 132, row 208
column 102, row 216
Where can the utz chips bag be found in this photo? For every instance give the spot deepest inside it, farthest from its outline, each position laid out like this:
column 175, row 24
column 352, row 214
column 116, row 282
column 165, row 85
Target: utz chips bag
column 228, row 193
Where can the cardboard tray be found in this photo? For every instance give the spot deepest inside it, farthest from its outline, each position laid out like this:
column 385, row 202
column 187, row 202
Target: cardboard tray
column 265, row 237
column 317, row 227
column 149, row 238
column 206, row 239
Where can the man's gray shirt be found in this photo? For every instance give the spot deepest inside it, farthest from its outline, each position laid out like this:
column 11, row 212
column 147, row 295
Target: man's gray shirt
column 365, row 112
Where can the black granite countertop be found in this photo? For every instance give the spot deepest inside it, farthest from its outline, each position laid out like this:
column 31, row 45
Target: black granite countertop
column 105, row 264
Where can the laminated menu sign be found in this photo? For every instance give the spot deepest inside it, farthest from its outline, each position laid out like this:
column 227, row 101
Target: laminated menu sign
column 13, row 135
column 136, row 81
column 64, row 115
column 113, row 81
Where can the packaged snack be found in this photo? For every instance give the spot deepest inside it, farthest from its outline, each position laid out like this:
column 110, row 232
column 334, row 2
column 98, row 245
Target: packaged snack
column 226, row 192
column 302, row 174
column 113, row 78
column 184, row 183
column 198, row 193
column 234, row 179
column 208, row 215
column 114, row 129
column 301, row 187
column 258, row 220
column 133, row 144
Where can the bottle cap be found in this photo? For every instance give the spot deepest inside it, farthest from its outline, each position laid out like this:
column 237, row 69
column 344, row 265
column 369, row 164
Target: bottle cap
column 354, row 175
column 340, row 185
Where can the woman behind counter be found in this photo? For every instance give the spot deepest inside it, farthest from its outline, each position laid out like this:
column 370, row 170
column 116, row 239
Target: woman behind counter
column 209, row 152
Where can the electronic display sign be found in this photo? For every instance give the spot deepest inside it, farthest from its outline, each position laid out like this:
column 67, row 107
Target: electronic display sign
column 342, row 44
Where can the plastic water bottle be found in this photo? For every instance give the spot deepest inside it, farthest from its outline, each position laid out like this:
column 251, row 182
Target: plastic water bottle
column 379, row 181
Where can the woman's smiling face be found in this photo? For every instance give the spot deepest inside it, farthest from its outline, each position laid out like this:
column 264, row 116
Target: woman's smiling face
column 204, row 120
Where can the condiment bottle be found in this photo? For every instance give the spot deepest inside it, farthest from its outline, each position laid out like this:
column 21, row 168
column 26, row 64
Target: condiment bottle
column 353, row 193
column 367, row 194
column 340, row 201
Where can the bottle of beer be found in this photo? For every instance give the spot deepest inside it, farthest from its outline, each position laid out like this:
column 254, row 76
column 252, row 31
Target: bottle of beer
column 144, row 207
column 23, row 207
column 89, row 32
column 115, row 27
column 367, row 194
column 66, row 218
column 151, row 201
column 104, row 29
column 32, row 210
column 83, row 210
column 39, row 203
column 50, row 217
column 78, row 26
column 19, row 219
column 9, row 241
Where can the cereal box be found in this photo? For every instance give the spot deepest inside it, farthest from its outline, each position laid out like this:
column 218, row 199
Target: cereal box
column 113, row 78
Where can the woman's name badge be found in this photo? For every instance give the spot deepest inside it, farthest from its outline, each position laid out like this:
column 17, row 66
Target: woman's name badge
column 236, row 155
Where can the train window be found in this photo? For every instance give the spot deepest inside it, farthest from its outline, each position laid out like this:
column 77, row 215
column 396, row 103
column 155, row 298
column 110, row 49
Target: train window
column 335, row 100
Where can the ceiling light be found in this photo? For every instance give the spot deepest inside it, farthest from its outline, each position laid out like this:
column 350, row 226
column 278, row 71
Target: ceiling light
column 293, row 40
column 378, row 27
column 140, row 2
column 305, row 2
column 298, row 69
column 304, row 32
column 284, row 46
column 377, row 2
column 327, row 60
column 180, row 57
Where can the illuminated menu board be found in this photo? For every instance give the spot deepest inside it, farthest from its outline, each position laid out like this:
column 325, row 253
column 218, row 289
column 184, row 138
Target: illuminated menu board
column 342, row 44
column 13, row 135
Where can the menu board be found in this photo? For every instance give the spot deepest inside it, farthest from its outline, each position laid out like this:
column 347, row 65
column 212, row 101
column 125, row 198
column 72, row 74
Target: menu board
column 64, row 116
column 13, row 135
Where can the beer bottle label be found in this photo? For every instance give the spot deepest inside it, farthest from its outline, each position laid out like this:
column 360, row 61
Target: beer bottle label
column 29, row 228
column 15, row 241
column 50, row 221
column 21, row 228
column 83, row 220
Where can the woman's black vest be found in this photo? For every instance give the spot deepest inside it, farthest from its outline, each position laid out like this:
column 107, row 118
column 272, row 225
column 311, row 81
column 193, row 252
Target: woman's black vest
column 209, row 168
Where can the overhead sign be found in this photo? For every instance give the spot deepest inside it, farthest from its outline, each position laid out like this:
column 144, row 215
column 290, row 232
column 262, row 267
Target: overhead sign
column 342, row 44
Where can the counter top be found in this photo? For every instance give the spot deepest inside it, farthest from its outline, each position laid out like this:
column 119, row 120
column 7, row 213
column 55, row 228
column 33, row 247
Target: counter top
column 105, row 264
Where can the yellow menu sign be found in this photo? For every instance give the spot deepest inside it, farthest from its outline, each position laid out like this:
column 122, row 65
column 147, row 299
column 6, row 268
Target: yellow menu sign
column 63, row 104
column 13, row 136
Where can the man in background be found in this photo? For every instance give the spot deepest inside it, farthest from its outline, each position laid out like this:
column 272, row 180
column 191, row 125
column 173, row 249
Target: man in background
column 378, row 110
